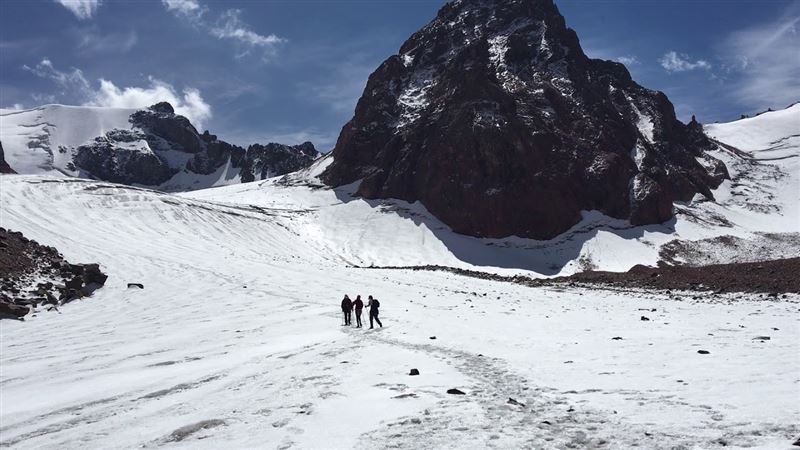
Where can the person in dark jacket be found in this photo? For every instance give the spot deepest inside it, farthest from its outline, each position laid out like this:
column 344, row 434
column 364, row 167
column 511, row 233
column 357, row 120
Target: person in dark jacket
column 358, row 305
column 373, row 304
column 347, row 309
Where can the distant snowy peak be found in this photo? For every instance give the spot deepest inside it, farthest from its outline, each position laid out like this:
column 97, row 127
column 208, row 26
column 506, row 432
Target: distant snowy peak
column 149, row 147
column 43, row 139
column 494, row 118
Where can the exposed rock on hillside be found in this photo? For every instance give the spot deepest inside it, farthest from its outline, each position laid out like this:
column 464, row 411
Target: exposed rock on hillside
column 265, row 161
column 4, row 167
column 494, row 118
column 34, row 275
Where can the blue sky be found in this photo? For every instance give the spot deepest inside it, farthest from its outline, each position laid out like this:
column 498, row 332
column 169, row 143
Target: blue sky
column 289, row 71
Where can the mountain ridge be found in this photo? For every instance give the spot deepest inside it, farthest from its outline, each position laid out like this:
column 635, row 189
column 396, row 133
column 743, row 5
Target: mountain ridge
column 151, row 147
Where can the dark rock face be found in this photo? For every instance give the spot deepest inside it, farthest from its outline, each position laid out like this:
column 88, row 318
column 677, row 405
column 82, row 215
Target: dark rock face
column 120, row 156
column 494, row 118
column 265, row 161
column 163, row 143
column 32, row 275
column 4, row 167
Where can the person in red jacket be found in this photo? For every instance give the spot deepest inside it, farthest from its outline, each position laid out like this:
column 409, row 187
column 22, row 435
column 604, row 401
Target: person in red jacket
column 358, row 305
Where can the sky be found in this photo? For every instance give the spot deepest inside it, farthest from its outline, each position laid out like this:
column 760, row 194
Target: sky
column 290, row 71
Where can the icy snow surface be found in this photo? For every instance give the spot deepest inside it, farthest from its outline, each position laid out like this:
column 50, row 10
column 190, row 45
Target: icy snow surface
column 236, row 340
column 41, row 140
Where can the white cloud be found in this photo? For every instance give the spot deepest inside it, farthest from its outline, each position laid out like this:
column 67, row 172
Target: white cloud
column 675, row 62
column 90, row 40
column 188, row 9
column 83, row 9
column 69, row 81
column 627, row 60
column 230, row 26
column 43, row 99
column 763, row 62
column 188, row 102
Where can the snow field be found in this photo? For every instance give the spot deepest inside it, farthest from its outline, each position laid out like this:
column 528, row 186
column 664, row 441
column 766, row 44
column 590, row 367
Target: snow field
column 236, row 341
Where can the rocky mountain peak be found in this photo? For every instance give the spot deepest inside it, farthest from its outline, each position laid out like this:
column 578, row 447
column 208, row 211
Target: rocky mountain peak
column 494, row 118
column 162, row 107
column 162, row 144
column 265, row 161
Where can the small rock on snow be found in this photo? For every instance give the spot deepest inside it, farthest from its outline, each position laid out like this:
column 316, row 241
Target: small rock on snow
column 511, row 401
column 414, row 372
column 703, row 352
column 455, row 391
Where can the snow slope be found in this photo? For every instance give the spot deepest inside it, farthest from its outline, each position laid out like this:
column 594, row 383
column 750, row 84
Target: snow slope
column 33, row 139
column 236, row 342
column 763, row 196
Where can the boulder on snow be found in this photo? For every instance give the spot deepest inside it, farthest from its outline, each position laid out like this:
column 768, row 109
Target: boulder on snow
column 75, row 283
column 455, row 391
column 93, row 275
column 512, row 401
column 10, row 310
column 414, row 372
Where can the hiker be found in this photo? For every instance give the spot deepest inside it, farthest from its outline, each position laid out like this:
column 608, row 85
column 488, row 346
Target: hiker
column 373, row 304
column 358, row 305
column 347, row 309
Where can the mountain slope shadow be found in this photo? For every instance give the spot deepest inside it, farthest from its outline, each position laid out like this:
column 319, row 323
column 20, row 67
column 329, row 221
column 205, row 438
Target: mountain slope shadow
column 546, row 257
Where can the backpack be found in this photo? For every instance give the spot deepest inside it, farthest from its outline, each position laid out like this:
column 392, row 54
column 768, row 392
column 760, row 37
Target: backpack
column 375, row 303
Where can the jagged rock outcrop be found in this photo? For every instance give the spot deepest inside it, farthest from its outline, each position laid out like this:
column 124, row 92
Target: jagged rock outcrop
column 4, row 167
column 123, row 156
column 494, row 118
column 265, row 161
column 34, row 275
column 161, row 144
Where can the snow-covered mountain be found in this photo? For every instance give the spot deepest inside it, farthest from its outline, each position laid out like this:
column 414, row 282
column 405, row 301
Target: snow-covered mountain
column 151, row 147
column 494, row 118
column 235, row 340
